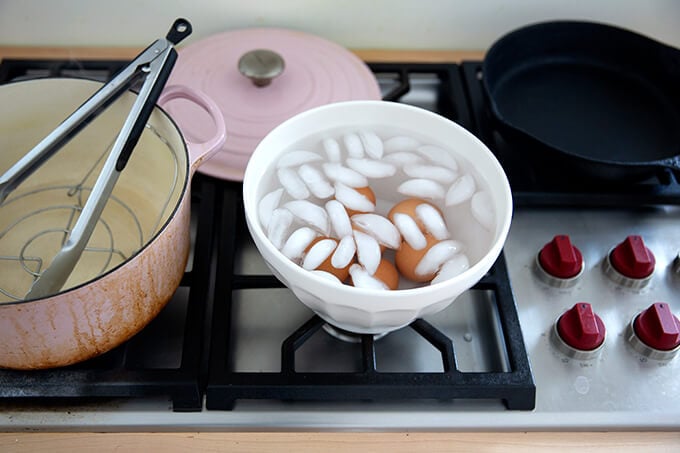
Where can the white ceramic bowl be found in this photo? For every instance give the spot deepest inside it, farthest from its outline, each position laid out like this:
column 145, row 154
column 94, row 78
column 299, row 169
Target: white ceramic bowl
column 368, row 310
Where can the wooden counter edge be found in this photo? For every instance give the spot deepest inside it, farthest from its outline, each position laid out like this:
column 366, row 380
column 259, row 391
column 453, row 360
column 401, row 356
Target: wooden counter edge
column 302, row 442
column 122, row 53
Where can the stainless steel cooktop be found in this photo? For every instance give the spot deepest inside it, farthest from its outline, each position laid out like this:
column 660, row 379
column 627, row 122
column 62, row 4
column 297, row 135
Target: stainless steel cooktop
column 620, row 384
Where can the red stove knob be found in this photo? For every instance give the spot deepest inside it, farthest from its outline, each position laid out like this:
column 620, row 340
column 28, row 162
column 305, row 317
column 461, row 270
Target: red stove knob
column 579, row 332
column 630, row 263
column 559, row 262
column 655, row 332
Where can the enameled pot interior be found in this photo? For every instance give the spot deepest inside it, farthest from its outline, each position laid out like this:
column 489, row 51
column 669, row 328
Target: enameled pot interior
column 37, row 216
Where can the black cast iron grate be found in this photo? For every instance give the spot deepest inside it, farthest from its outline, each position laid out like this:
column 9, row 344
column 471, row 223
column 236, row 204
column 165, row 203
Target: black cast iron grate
column 514, row 387
column 22, row 69
column 130, row 370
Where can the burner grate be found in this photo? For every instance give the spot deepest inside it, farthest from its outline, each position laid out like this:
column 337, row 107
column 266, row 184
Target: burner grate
column 20, row 69
column 174, row 369
column 166, row 358
column 226, row 385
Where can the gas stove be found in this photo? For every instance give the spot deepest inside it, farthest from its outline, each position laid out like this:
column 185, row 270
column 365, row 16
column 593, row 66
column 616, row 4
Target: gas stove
column 234, row 349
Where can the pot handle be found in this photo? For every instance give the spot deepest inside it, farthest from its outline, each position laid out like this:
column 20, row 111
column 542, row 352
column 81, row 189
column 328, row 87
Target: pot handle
column 198, row 152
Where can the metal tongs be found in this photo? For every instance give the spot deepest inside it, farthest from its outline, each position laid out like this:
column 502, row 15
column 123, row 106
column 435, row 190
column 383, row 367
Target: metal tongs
column 154, row 64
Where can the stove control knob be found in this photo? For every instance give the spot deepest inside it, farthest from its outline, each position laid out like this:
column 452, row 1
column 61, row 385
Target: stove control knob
column 559, row 263
column 655, row 332
column 630, row 263
column 579, row 332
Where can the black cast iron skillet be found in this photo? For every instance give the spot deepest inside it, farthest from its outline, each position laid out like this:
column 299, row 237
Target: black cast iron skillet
column 598, row 100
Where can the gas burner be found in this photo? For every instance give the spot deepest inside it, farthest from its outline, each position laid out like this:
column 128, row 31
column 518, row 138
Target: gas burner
column 347, row 336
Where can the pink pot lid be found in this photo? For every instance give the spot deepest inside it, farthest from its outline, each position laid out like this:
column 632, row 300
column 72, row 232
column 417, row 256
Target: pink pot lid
column 317, row 72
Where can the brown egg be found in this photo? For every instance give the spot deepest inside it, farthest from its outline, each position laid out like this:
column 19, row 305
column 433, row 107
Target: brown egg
column 387, row 274
column 408, row 207
column 366, row 192
column 327, row 266
column 407, row 258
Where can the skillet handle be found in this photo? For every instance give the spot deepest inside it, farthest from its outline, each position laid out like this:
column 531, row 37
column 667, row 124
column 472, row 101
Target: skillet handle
column 198, row 152
column 673, row 164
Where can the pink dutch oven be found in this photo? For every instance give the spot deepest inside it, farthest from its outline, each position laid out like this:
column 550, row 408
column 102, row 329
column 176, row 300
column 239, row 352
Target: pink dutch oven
column 138, row 253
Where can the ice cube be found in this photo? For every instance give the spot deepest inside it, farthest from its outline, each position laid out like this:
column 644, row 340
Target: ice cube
column 315, row 181
column 347, row 176
column 361, row 278
column 434, row 172
column 318, row 254
column 452, row 268
column 371, row 168
column 267, row 205
column 373, row 145
column 296, row 158
column 438, row 156
column 332, row 148
column 279, row 225
column 432, row 220
column 400, row 143
column 436, row 256
column 352, row 199
column 410, row 231
column 297, row 242
column 481, row 207
column 368, row 251
column 339, row 218
column 402, row 158
column 460, row 191
column 423, row 188
column 380, row 228
column 292, row 183
column 311, row 214
column 344, row 252
column 353, row 145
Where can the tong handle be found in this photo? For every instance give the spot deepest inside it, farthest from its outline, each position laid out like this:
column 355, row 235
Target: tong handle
column 155, row 63
column 179, row 30
column 158, row 73
column 99, row 101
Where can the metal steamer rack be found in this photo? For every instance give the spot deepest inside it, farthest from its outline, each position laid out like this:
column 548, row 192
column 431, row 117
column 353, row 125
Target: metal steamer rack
column 75, row 196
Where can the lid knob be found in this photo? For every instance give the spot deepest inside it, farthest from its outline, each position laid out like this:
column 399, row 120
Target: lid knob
column 261, row 66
